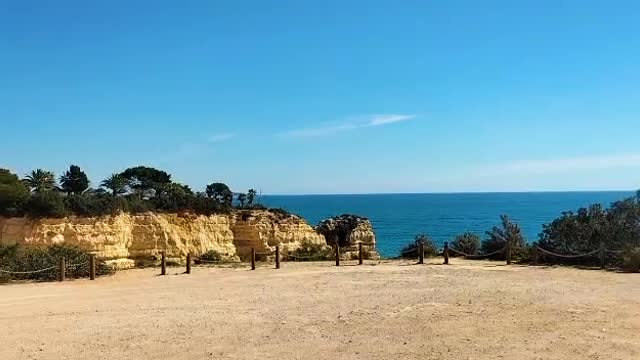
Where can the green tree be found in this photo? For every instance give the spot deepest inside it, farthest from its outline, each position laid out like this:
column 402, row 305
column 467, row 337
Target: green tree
column 242, row 199
column 116, row 183
column 251, row 196
column 412, row 250
column 41, row 180
column 46, row 204
column 221, row 193
column 500, row 235
column 13, row 194
column 142, row 179
column 74, row 180
column 467, row 243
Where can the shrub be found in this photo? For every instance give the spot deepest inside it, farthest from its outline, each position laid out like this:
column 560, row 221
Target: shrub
column 90, row 205
column 13, row 194
column 500, row 235
column 210, row 256
column 309, row 251
column 19, row 258
column 412, row 250
column 631, row 259
column 467, row 243
column 45, row 204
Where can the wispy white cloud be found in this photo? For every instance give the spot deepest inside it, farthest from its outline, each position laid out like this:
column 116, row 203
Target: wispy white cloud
column 216, row 138
column 596, row 162
column 349, row 124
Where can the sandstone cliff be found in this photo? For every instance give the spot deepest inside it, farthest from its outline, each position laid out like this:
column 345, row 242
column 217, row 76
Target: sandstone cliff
column 263, row 230
column 144, row 236
column 127, row 236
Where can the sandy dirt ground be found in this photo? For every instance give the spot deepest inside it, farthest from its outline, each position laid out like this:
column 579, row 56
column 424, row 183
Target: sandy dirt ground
column 384, row 310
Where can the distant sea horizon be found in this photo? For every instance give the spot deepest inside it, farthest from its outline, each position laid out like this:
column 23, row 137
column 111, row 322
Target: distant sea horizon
column 398, row 217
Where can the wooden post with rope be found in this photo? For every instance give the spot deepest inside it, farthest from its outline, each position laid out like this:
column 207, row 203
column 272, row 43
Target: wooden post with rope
column 253, row 259
column 508, row 252
column 277, row 256
column 602, row 256
column 360, row 256
column 188, row 263
column 534, row 255
column 163, row 264
column 421, row 253
column 92, row 266
column 445, row 253
column 337, row 254
column 62, row 269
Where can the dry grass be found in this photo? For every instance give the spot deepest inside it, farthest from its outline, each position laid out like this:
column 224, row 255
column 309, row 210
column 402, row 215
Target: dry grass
column 394, row 310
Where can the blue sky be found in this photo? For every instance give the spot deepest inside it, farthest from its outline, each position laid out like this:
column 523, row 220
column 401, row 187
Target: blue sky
column 327, row 96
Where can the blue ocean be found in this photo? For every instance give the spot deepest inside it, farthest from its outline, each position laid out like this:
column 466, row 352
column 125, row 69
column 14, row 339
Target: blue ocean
column 397, row 218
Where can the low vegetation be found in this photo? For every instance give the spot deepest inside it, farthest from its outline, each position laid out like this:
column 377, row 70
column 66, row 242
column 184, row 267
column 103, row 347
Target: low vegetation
column 26, row 263
column 309, row 251
column 412, row 250
column 467, row 243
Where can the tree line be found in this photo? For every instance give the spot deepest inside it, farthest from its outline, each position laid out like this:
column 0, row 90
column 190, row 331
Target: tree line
column 615, row 228
column 136, row 189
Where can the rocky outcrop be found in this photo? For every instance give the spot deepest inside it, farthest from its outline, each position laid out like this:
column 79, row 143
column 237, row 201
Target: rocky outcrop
column 126, row 236
column 349, row 231
column 263, row 230
column 143, row 237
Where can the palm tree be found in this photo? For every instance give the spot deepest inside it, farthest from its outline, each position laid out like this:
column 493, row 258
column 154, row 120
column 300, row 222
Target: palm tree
column 116, row 183
column 40, row 180
column 74, row 180
column 251, row 196
column 242, row 198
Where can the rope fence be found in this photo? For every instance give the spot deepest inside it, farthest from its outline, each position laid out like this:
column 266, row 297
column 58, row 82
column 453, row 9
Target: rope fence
column 62, row 268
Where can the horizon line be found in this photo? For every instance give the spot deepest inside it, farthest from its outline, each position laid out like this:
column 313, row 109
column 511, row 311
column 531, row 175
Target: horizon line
column 457, row 192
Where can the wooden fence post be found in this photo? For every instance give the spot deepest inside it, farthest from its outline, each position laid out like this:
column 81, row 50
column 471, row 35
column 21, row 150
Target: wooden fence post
column 445, row 252
column 508, row 254
column 92, row 266
column 360, row 255
column 277, row 256
column 188, row 263
column 163, row 264
column 421, row 254
column 602, row 256
column 61, row 270
column 253, row 259
column 534, row 255
column 337, row 255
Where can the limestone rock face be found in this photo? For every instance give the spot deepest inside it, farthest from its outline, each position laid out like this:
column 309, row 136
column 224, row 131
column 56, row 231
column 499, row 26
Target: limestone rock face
column 143, row 237
column 263, row 230
column 126, row 236
column 355, row 230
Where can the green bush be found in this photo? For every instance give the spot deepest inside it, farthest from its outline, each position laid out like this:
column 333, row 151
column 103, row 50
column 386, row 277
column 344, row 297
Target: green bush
column 17, row 258
column 46, row 204
column 210, row 256
column 508, row 231
column 631, row 259
column 90, row 205
column 309, row 251
column 467, row 243
column 412, row 250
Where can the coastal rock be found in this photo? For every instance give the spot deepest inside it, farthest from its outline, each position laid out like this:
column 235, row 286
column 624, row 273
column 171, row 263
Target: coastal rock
column 263, row 230
column 126, row 236
column 143, row 237
column 349, row 231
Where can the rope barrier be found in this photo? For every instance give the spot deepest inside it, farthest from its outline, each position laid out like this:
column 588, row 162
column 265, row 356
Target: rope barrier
column 27, row 272
column 615, row 252
column 567, row 256
column 479, row 256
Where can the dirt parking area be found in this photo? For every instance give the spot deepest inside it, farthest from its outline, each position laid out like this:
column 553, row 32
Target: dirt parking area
column 382, row 310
